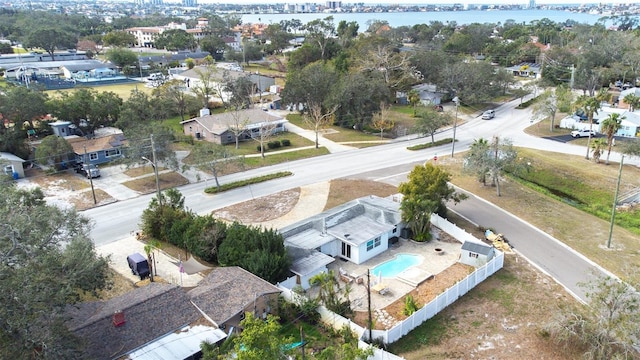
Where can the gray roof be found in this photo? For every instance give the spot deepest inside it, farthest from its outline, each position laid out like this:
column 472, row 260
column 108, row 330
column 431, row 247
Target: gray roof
column 362, row 219
column 54, row 64
column 359, row 230
column 219, row 123
column 149, row 312
column 477, row 247
column 88, row 65
column 309, row 261
column 227, row 291
column 173, row 57
column 10, row 157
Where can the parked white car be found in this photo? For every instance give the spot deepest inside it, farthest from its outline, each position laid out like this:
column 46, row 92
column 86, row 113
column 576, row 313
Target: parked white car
column 583, row 133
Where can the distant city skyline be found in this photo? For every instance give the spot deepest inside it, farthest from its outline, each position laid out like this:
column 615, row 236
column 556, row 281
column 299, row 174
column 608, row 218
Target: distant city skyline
column 389, row 2
column 403, row 2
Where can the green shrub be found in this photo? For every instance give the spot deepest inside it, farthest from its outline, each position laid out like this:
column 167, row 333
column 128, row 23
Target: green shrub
column 409, row 306
column 286, row 142
column 274, row 144
column 429, row 145
column 241, row 183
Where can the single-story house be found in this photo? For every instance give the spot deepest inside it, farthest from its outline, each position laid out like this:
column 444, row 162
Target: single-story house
column 630, row 123
column 531, row 70
column 631, row 91
column 227, row 293
column 164, row 60
column 12, row 165
column 476, row 254
column 355, row 231
column 104, row 145
column 113, row 328
column 216, row 127
column 89, row 69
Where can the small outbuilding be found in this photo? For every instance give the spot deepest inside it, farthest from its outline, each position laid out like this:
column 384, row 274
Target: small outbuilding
column 476, row 254
column 12, row 165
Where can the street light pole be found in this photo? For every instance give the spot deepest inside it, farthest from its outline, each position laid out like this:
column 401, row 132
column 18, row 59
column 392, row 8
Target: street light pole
column 88, row 165
column 455, row 125
column 615, row 204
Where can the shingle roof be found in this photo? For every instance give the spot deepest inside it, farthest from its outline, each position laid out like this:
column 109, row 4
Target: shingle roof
column 96, row 144
column 149, row 312
column 227, row 291
column 219, row 123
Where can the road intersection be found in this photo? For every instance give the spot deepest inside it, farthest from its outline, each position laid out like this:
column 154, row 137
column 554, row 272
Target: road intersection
column 391, row 163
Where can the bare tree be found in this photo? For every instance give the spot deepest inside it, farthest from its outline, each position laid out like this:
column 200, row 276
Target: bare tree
column 317, row 118
column 381, row 120
column 546, row 107
column 215, row 158
column 263, row 133
column 208, row 82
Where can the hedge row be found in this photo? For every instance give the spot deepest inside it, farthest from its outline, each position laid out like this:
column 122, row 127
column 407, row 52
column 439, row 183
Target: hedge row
column 241, row 183
column 429, row 145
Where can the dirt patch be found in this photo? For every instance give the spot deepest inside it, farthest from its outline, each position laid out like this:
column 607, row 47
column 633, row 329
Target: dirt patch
column 262, row 209
column 422, row 295
column 344, row 190
column 147, row 184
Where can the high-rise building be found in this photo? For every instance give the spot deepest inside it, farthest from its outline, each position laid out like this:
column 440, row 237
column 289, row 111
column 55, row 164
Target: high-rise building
column 334, row 4
column 190, row 3
column 532, row 4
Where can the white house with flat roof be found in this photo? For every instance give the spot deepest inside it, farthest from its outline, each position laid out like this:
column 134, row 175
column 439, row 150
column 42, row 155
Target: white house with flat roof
column 355, row 231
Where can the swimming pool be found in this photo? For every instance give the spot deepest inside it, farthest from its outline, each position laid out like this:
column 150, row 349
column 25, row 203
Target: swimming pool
column 393, row 267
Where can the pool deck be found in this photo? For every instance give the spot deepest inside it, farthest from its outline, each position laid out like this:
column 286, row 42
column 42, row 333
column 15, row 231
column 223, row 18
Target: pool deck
column 433, row 263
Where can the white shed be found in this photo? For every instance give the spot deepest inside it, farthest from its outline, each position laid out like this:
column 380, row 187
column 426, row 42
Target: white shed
column 12, row 165
column 476, row 253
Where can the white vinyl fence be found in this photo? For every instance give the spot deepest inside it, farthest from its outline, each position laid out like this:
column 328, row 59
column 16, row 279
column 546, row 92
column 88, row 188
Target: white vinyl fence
column 423, row 314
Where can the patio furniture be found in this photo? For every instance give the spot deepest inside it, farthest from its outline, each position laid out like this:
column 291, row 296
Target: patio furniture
column 380, row 288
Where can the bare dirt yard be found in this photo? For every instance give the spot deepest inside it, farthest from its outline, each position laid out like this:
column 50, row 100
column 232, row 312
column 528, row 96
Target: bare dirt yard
column 502, row 318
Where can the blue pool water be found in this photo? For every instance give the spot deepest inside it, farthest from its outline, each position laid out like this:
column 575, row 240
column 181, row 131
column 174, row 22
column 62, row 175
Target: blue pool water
column 394, row 267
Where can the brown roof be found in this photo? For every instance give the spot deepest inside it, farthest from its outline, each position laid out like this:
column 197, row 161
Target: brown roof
column 149, row 312
column 227, row 291
column 219, row 123
column 96, row 144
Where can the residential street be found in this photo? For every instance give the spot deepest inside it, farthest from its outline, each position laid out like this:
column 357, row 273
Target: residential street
column 390, row 163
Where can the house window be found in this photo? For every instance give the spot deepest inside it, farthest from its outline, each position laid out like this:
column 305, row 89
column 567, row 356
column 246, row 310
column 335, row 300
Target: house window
column 371, row 244
column 473, row 255
column 395, row 229
column 93, row 156
column 112, row 152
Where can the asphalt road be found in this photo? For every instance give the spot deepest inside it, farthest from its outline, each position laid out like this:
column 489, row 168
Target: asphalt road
column 390, row 162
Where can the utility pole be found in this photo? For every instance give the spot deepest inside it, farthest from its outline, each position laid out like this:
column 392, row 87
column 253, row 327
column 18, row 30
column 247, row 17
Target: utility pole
column 370, row 324
column 88, row 170
column 615, row 204
column 455, row 124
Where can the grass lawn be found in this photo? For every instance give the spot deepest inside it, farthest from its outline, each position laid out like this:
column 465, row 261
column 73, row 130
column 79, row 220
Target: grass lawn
column 250, row 147
column 560, row 213
column 272, row 159
column 122, row 90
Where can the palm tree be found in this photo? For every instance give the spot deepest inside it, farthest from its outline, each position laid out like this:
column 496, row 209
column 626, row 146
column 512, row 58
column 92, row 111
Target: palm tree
column 597, row 146
column 633, row 101
column 610, row 127
column 413, row 96
column 590, row 106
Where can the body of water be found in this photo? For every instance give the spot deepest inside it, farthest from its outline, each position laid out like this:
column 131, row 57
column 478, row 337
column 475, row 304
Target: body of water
column 394, row 267
column 412, row 18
